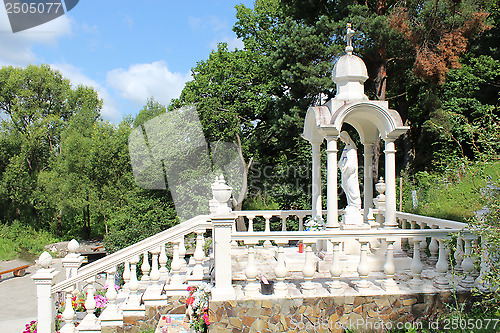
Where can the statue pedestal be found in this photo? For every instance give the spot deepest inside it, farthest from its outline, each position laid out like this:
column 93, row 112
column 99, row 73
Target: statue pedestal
column 352, row 246
column 352, row 216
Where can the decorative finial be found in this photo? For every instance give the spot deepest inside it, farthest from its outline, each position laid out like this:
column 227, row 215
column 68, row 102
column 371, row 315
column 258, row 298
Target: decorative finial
column 350, row 33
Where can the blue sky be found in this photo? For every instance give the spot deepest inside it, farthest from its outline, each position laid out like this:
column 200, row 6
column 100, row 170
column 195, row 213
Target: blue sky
column 127, row 50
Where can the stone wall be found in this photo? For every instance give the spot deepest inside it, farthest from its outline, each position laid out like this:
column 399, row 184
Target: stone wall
column 324, row 314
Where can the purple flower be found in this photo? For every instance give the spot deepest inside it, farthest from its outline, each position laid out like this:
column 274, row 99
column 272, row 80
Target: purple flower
column 100, row 301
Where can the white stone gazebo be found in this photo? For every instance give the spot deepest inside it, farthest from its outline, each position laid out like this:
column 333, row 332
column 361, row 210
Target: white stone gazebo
column 371, row 119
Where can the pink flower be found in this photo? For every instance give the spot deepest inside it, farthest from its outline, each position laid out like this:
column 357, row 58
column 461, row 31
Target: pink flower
column 189, row 288
column 205, row 317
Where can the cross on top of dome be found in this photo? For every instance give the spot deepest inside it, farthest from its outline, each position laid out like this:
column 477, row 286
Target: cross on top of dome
column 348, row 38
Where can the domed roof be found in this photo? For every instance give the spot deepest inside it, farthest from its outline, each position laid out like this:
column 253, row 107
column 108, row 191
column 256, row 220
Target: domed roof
column 350, row 67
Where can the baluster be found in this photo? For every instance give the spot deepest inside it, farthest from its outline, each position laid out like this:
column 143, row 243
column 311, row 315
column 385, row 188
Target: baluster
column 134, row 298
column 250, row 222
column 301, row 222
column 474, row 243
column 459, row 256
column 145, row 269
column 281, row 270
column 416, row 265
column 442, row 267
column 335, row 267
column 467, row 265
column 481, row 281
column 68, row 315
column 252, row 287
column 175, row 266
column 308, row 269
column 126, row 277
column 389, row 267
column 412, row 227
column 283, row 222
column 423, row 243
column 111, row 293
column 267, row 243
column 155, row 272
column 199, row 255
column 163, row 262
column 433, row 249
column 182, row 252
column 90, row 320
column 404, row 241
column 363, row 268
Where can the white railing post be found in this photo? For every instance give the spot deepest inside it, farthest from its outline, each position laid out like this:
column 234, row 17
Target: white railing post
column 111, row 316
column 175, row 266
column 133, row 305
column 44, row 279
column 145, row 269
column 68, row 315
column 441, row 282
column 308, row 270
column 404, row 241
column 252, row 287
column 126, row 277
column 155, row 286
column 267, row 243
column 389, row 267
column 250, row 222
column 199, row 256
column 467, row 265
column 280, row 270
column 73, row 260
column 182, row 251
column 433, row 249
column 363, row 268
column 222, row 222
column 423, row 243
column 90, row 322
column 163, row 259
column 416, row 265
column 379, row 202
column 459, row 256
column 335, row 267
column 301, row 221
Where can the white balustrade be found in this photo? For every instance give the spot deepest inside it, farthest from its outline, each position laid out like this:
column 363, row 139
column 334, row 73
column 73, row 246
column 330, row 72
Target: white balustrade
column 155, row 275
column 111, row 293
column 459, row 256
column 433, row 249
column 134, row 299
column 126, row 277
column 145, row 269
column 308, row 270
column 89, row 322
column 175, row 266
column 163, row 259
column 442, row 266
column 280, row 270
column 389, row 267
column 335, row 267
column 363, row 268
column 416, row 265
column 467, row 265
column 251, row 272
column 199, row 256
column 68, row 315
column 182, row 252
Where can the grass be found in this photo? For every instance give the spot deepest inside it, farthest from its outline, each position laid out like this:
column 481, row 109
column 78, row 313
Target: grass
column 22, row 242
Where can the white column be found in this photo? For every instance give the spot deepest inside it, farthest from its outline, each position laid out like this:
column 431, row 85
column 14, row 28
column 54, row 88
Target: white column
column 44, row 279
column 390, row 183
column 68, row 315
column 308, row 269
column 198, row 256
column 89, row 322
column 368, row 179
column 175, row 266
column 441, row 282
column 316, row 180
column 111, row 316
column 331, row 195
column 223, row 289
column 155, row 272
column 416, row 264
column 363, row 268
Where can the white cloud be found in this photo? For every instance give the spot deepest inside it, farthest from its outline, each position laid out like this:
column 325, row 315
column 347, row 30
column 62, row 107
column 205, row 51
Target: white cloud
column 232, row 43
column 75, row 75
column 16, row 48
column 194, row 22
column 142, row 81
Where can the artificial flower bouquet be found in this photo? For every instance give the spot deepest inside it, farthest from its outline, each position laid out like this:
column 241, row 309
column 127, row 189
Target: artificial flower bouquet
column 197, row 306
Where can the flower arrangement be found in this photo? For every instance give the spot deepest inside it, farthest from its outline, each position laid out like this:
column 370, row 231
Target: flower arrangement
column 315, row 224
column 31, row 327
column 197, row 307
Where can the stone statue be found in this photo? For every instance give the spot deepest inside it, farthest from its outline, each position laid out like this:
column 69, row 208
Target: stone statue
column 348, row 166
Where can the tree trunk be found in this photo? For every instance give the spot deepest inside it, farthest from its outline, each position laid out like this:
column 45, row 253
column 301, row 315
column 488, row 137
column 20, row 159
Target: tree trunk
column 240, row 221
column 380, row 90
